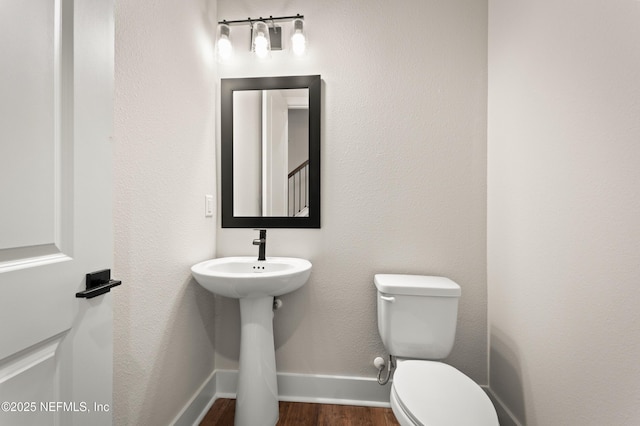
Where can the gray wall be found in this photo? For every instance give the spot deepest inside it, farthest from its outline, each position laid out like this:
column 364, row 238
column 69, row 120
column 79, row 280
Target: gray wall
column 164, row 151
column 403, row 175
column 564, row 210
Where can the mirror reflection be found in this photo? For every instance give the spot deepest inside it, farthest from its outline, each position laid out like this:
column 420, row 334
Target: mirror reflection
column 271, row 153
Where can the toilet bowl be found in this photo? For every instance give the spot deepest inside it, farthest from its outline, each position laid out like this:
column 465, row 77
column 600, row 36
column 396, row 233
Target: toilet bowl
column 417, row 318
column 427, row 393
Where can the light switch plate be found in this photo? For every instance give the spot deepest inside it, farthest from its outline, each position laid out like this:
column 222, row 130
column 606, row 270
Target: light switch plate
column 208, row 205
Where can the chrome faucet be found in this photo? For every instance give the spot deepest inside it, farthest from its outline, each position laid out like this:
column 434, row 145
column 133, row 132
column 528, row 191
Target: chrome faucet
column 262, row 242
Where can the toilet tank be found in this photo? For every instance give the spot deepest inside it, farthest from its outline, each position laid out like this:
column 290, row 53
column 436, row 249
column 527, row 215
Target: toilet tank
column 417, row 314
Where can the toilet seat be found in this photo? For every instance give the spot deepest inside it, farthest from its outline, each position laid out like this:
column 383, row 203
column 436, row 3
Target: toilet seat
column 431, row 393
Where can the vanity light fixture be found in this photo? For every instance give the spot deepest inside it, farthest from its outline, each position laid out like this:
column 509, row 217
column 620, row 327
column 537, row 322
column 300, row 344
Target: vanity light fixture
column 265, row 36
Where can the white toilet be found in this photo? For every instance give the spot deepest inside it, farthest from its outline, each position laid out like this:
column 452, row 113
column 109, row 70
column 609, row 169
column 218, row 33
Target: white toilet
column 417, row 318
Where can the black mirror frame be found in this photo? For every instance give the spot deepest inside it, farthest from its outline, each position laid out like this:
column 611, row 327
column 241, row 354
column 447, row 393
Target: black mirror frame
column 230, row 85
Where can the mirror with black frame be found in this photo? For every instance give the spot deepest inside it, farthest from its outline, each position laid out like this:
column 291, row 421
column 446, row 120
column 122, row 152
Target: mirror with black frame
column 270, row 163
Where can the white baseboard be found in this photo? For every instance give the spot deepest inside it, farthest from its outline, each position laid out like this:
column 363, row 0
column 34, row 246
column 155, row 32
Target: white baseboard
column 343, row 390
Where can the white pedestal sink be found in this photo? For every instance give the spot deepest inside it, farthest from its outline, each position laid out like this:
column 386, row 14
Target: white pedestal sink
column 255, row 283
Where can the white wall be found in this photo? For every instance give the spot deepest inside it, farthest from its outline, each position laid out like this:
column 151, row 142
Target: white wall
column 564, row 210
column 164, row 165
column 403, row 175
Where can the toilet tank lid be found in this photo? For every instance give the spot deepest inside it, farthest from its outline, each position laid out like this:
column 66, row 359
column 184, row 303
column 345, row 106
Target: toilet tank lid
column 416, row 285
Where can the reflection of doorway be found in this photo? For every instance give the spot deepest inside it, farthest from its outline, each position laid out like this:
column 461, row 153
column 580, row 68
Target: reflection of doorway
column 285, row 152
column 275, row 153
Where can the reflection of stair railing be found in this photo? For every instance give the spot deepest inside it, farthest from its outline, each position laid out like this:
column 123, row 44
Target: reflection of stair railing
column 298, row 197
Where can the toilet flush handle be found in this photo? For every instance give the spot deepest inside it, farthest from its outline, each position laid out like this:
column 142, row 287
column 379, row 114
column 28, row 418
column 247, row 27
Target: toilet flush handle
column 388, row 298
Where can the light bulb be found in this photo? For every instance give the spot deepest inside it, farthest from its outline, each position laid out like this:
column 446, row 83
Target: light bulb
column 261, row 44
column 224, row 48
column 298, row 43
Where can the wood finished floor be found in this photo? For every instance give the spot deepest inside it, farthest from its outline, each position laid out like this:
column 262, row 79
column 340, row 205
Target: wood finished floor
column 305, row 414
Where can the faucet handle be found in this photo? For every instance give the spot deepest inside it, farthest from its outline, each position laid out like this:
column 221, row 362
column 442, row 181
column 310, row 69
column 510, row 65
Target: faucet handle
column 263, row 237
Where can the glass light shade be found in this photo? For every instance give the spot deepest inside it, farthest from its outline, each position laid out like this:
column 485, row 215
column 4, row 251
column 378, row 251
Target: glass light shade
column 224, row 49
column 298, row 38
column 260, row 43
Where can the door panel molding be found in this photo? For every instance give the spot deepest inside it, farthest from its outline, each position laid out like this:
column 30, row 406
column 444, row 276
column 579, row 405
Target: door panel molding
column 39, row 228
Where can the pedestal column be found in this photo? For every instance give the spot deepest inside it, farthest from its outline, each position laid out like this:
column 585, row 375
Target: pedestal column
column 257, row 397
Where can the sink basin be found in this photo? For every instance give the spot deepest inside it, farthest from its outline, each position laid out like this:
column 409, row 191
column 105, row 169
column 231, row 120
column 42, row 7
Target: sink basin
column 239, row 277
column 255, row 283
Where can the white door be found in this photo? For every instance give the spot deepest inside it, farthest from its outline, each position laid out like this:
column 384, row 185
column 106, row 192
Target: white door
column 56, row 84
column 275, row 151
